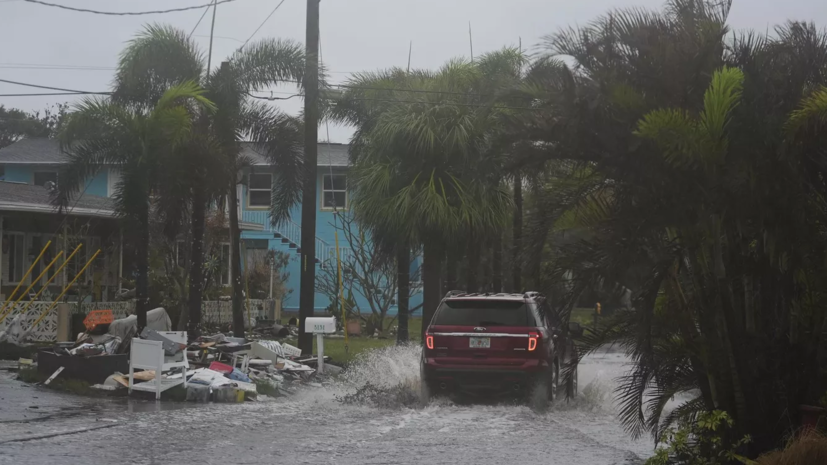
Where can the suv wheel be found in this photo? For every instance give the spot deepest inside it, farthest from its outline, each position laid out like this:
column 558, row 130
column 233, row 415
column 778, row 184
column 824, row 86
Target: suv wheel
column 424, row 390
column 544, row 390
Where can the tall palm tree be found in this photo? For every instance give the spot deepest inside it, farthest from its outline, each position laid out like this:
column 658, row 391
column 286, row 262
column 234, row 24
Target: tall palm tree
column 419, row 156
column 138, row 140
column 685, row 170
column 161, row 56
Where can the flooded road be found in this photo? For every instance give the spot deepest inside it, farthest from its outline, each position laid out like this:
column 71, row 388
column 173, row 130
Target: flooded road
column 315, row 428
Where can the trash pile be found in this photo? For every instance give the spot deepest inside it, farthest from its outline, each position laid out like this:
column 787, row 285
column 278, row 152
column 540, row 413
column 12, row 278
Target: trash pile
column 111, row 356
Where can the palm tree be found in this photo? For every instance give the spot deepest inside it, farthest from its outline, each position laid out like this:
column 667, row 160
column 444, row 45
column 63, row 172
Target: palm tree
column 138, row 140
column 161, row 56
column 684, row 170
column 420, row 157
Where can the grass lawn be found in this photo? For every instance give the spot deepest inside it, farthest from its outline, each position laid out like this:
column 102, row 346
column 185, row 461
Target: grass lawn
column 584, row 316
column 335, row 347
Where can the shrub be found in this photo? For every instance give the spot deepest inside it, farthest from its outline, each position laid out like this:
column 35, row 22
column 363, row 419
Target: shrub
column 808, row 448
column 704, row 441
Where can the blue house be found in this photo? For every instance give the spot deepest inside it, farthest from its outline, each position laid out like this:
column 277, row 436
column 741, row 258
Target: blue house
column 37, row 162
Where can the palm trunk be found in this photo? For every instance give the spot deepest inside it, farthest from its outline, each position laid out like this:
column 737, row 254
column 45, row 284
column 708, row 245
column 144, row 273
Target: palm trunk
column 451, row 265
column 142, row 265
column 403, row 267
column 473, row 253
column 518, row 235
column 235, row 264
column 199, row 206
column 497, row 263
column 431, row 270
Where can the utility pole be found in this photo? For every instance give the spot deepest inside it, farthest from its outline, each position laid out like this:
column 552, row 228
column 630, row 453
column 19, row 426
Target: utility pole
column 212, row 29
column 307, row 290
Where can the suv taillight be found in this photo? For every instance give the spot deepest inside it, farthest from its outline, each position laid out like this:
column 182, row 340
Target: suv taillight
column 429, row 341
column 533, row 339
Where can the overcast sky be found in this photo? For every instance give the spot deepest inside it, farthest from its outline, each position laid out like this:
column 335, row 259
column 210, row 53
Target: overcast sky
column 355, row 34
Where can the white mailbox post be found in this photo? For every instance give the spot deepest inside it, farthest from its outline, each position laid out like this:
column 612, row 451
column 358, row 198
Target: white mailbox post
column 320, row 326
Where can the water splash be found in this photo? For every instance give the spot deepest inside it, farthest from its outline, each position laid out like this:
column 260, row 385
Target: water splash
column 385, row 367
column 385, row 378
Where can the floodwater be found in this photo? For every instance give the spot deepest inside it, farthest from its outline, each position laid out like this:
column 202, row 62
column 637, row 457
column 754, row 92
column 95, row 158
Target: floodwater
column 315, row 427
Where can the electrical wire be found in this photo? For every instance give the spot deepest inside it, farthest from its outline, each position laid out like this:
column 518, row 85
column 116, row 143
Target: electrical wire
column 56, row 66
column 399, row 89
column 127, row 13
column 271, row 98
column 199, row 22
column 46, row 94
column 459, row 104
column 477, row 105
column 262, row 24
column 50, row 88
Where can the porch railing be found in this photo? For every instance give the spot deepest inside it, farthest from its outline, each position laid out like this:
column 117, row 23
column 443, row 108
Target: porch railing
column 290, row 232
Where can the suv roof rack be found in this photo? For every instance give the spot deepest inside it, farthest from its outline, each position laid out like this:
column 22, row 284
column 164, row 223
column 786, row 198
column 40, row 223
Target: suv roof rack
column 524, row 295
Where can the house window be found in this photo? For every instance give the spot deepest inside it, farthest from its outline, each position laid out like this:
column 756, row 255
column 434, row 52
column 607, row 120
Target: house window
column 42, row 177
column 36, row 244
column 14, row 250
column 259, row 190
column 77, row 262
column 112, row 179
column 334, row 191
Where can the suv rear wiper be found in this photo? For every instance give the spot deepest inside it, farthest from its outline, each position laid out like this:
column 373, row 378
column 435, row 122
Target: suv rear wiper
column 490, row 323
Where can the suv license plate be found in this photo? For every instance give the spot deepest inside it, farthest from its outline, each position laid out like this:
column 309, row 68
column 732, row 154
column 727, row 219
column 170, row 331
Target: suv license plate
column 479, row 342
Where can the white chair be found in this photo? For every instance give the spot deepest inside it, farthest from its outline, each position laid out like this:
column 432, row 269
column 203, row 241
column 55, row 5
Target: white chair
column 149, row 355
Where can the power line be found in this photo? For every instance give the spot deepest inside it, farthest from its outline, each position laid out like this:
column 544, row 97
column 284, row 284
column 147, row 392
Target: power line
column 73, row 91
column 398, row 89
column 54, row 93
column 199, row 22
column 51, row 88
column 271, row 98
column 459, row 104
column 220, row 37
column 262, row 23
column 54, row 66
column 127, row 13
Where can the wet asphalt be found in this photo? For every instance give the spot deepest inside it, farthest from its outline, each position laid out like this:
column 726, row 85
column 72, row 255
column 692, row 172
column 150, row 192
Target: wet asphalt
column 40, row 426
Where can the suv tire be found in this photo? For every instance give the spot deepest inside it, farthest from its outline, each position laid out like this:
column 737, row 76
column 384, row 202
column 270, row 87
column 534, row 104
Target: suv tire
column 544, row 390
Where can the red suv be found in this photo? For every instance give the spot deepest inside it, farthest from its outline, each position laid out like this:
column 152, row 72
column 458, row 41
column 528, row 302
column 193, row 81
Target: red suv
column 496, row 344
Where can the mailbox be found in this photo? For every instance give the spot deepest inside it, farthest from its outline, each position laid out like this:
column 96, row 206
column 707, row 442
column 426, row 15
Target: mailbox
column 320, row 325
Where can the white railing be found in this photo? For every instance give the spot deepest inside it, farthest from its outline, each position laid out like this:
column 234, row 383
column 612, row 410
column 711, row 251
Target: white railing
column 292, row 232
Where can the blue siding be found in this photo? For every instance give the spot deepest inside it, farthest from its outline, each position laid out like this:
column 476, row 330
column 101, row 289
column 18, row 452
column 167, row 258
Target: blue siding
column 325, row 231
column 25, row 173
column 19, row 173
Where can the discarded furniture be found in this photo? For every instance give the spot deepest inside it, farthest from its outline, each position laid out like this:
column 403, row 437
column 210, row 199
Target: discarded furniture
column 94, row 369
column 149, row 355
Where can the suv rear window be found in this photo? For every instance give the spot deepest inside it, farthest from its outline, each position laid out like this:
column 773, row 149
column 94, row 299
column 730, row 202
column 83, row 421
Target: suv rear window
column 468, row 312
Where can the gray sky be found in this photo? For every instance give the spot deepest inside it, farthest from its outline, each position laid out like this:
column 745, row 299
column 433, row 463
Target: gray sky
column 356, row 35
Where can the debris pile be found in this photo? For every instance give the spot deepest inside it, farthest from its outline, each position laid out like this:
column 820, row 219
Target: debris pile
column 112, row 356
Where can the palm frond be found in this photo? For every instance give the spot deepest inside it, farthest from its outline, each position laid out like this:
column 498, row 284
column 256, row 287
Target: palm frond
column 812, row 113
column 720, row 100
column 159, row 57
column 268, row 62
